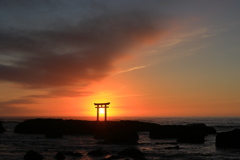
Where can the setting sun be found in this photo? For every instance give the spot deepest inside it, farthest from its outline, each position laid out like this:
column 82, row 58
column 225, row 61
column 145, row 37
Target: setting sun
column 101, row 110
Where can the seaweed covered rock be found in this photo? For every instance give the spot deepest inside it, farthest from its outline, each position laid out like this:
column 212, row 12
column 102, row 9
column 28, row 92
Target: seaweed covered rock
column 230, row 139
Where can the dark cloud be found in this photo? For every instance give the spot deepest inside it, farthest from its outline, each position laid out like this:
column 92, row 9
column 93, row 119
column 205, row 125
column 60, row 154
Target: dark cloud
column 72, row 55
column 63, row 47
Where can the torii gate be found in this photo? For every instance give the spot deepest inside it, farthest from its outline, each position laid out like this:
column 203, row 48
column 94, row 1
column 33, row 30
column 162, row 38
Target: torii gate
column 102, row 105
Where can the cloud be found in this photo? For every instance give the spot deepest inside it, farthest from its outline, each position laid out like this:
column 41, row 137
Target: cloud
column 63, row 47
column 61, row 92
column 132, row 69
column 12, row 107
column 74, row 55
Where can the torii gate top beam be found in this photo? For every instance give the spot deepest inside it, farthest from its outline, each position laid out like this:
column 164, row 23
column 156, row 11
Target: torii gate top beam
column 102, row 103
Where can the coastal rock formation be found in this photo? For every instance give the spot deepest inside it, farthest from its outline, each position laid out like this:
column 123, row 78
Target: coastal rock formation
column 100, row 129
column 53, row 135
column 133, row 153
column 191, row 137
column 2, row 129
column 32, row 155
column 182, row 132
column 98, row 153
column 122, row 136
column 229, row 139
column 73, row 154
column 60, row 156
column 117, row 132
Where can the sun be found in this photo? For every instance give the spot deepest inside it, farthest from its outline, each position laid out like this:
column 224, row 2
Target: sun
column 101, row 110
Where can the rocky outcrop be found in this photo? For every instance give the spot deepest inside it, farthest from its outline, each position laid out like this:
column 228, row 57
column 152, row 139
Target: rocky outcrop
column 100, row 129
column 132, row 153
column 118, row 132
column 2, row 129
column 229, row 139
column 182, row 132
column 59, row 156
column 32, row 155
column 122, row 136
column 191, row 137
column 53, row 135
column 98, row 153
column 73, row 154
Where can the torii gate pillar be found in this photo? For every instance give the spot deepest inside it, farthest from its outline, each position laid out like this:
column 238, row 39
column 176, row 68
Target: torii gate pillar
column 102, row 105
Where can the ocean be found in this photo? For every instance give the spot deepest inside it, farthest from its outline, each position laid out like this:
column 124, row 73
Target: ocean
column 14, row 146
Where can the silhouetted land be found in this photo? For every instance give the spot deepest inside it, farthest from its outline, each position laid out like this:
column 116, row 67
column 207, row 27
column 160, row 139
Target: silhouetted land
column 115, row 131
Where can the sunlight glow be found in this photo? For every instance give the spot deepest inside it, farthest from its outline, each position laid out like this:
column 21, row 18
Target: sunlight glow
column 101, row 110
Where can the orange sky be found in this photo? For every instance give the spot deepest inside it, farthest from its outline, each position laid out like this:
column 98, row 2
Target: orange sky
column 150, row 59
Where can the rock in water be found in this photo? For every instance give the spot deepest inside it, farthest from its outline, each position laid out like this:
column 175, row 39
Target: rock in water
column 53, row 135
column 60, row 156
column 229, row 139
column 133, row 153
column 122, row 136
column 32, row 155
column 2, row 129
column 175, row 131
column 191, row 137
column 98, row 153
column 74, row 154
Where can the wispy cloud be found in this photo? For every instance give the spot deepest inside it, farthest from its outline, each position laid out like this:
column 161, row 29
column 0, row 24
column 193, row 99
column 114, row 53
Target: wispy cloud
column 131, row 69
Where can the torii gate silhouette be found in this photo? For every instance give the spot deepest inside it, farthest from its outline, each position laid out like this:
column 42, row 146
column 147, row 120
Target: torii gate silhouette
column 102, row 105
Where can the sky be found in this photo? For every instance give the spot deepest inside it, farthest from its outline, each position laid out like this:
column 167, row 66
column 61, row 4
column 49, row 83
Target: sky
column 162, row 58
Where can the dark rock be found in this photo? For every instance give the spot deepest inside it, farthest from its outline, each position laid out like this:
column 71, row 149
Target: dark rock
column 122, row 136
column 191, row 137
column 175, row 131
column 229, row 139
column 133, row 153
column 98, row 153
column 60, row 156
column 32, row 155
column 100, row 129
column 73, row 154
column 2, row 129
column 114, row 157
column 175, row 147
column 53, row 135
column 40, row 126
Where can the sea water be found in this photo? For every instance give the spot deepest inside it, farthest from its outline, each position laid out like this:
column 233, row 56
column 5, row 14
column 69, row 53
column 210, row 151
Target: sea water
column 13, row 146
